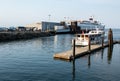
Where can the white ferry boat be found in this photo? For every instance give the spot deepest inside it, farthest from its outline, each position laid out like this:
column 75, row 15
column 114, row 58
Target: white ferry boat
column 91, row 24
column 94, row 35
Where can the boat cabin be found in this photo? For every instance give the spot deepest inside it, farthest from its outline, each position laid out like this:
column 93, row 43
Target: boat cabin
column 83, row 39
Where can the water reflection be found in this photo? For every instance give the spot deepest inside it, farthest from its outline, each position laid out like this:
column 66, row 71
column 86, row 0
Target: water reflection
column 102, row 51
column 55, row 40
column 100, row 55
column 41, row 42
column 62, row 39
column 73, row 70
column 96, row 56
column 110, row 50
column 89, row 62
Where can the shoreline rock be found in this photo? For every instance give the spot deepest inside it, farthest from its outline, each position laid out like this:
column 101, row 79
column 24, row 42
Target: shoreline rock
column 10, row 36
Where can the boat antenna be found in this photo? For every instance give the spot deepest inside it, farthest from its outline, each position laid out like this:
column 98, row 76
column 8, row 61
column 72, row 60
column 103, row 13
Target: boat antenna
column 91, row 18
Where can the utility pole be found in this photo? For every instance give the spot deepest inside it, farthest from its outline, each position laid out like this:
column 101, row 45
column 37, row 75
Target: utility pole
column 49, row 17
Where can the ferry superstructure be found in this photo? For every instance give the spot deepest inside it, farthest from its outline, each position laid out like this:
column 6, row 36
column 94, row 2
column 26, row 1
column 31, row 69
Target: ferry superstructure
column 88, row 25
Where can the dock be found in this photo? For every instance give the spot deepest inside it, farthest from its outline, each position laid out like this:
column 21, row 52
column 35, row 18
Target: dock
column 81, row 51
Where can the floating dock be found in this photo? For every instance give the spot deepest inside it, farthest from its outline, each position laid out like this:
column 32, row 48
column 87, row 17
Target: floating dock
column 80, row 51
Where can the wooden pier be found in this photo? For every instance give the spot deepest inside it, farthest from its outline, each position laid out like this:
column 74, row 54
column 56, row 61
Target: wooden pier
column 81, row 51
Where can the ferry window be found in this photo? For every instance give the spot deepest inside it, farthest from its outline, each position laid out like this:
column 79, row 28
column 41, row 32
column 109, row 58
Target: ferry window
column 90, row 38
column 86, row 36
column 78, row 36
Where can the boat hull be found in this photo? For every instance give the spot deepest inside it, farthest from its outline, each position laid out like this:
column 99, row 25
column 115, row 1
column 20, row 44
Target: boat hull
column 80, row 43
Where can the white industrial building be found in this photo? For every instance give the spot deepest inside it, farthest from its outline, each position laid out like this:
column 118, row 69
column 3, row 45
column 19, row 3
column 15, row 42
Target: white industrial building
column 34, row 26
column 43, row 26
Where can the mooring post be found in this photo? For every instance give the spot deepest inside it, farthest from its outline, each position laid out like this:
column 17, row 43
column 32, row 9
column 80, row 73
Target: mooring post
column 110, row 37
column 74, row 49
column 103, row 41
column 89, row 44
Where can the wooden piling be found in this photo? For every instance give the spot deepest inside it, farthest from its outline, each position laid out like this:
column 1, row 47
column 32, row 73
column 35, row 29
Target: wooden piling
column 89, row 45
column 73, row 49
column 103, row 41
column 110, row 37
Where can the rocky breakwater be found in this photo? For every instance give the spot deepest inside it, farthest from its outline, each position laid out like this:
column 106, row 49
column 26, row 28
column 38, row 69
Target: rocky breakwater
column 17, row 35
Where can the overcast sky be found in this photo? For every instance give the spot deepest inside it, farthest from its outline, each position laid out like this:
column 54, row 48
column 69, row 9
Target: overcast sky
column 22, row 12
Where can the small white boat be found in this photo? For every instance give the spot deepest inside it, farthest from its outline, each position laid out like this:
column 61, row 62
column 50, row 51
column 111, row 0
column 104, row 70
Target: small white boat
column 95, row 37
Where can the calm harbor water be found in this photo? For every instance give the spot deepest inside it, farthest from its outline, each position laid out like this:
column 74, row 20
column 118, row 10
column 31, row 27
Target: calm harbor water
column 32, row 60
